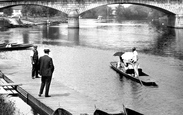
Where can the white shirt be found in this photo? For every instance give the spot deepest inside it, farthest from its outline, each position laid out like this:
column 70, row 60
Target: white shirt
column 128, row 56
column 135, row 56
column 31, row 53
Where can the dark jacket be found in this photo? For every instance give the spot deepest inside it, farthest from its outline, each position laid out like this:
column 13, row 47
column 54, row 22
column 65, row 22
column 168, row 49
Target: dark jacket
column 35, row 56
column 46, row 66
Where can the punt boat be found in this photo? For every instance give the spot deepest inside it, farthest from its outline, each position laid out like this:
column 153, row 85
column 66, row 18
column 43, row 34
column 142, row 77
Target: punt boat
column 143, row 78
column 14, row 46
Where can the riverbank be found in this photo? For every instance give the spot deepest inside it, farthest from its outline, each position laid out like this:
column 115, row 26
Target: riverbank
column 45, row 20
column 8, row 22
column 71, row 101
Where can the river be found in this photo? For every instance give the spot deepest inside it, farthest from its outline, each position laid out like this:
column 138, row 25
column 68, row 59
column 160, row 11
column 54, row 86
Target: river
column 82, row 61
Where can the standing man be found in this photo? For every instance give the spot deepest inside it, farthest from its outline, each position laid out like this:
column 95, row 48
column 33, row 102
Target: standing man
column 46, row 69
column 34, row 61
column 134, row 61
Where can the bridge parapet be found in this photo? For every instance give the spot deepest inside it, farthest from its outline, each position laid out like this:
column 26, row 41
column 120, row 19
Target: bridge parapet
column 171, row 7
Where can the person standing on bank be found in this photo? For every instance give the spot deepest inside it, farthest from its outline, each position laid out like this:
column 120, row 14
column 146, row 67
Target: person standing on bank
column 34, row 61
column 46, row 69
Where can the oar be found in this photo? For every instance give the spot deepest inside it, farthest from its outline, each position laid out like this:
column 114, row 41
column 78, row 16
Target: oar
column 140, row 81
column 138, row 76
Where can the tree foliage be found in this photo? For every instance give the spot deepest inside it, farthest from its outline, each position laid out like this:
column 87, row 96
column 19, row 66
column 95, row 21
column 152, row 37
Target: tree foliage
column 133, row 12
column 103, row 11
column 32, row 10
column 8, row 11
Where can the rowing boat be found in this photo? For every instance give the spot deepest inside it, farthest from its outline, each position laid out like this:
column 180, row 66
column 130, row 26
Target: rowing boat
column 14, row 46
column 143, row 78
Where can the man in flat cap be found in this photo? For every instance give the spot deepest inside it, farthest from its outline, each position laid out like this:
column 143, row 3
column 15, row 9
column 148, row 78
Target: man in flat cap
column 46, row 69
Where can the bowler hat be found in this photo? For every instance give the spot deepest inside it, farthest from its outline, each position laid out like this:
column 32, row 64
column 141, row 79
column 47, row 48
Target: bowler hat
column 46, row 50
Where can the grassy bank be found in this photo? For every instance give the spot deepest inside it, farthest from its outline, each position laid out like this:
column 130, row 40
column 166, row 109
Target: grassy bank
column 44, row 19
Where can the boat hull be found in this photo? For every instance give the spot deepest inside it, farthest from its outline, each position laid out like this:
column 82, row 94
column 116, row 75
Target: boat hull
column 128, row 112
column 15, row 47
column 143, row 78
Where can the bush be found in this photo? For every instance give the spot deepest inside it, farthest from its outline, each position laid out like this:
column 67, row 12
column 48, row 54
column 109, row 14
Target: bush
column 6, row 107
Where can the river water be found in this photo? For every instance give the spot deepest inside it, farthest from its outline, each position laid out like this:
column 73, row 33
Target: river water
column 82, row 61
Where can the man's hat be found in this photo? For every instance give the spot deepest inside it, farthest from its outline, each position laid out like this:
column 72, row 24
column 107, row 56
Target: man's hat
column 134, row 48
column 46, row 50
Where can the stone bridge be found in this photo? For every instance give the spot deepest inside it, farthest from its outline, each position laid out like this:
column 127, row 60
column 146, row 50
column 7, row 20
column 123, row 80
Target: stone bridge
column 173, row 8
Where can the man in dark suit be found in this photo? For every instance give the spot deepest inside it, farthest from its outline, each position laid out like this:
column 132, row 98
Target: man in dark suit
column 34, row 61
column 46, row 69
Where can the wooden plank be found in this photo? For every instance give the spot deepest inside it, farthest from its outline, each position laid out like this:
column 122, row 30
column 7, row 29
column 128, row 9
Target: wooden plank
column 10, row 84
column 8, row 88
column 2, row 91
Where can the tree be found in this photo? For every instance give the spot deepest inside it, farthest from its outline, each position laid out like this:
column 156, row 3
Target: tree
column 33, row 10
column 8, row 11
column 89, row 14
column 120, row 12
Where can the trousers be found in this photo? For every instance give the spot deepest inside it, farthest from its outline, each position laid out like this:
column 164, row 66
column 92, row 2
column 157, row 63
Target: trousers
column 35, row 70
column 45, row 81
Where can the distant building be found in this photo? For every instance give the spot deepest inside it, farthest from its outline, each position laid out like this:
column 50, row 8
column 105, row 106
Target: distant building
column 1, row 13
column 17, row 11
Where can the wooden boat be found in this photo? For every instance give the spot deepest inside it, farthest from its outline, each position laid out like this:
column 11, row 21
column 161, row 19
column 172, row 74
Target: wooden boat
column 14, row 46
column 143, row 78
column 61, row 111
column 100, row 112
column 126, row 112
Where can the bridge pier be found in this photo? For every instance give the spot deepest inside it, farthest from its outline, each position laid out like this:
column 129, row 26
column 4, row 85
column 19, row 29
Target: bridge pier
column 73, row 19
column 175, row 21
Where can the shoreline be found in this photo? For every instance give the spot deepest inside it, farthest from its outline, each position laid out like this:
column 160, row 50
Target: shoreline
column 52, row 105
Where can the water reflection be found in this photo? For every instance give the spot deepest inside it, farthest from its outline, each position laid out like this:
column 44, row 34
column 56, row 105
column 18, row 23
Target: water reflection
column 73, row 36
column 56, row 36
column 154, row 38
column 25, row 37
column 51, row 33
column 162, row 42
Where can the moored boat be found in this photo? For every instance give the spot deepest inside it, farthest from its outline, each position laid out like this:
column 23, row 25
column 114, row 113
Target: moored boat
column 14, row 46
column 126, row 112
column 143, row 78
column 100, row 112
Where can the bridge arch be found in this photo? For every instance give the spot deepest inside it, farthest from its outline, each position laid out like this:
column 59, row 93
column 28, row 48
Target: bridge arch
column 45, row 4
column 161, row 9
column 174, row 10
